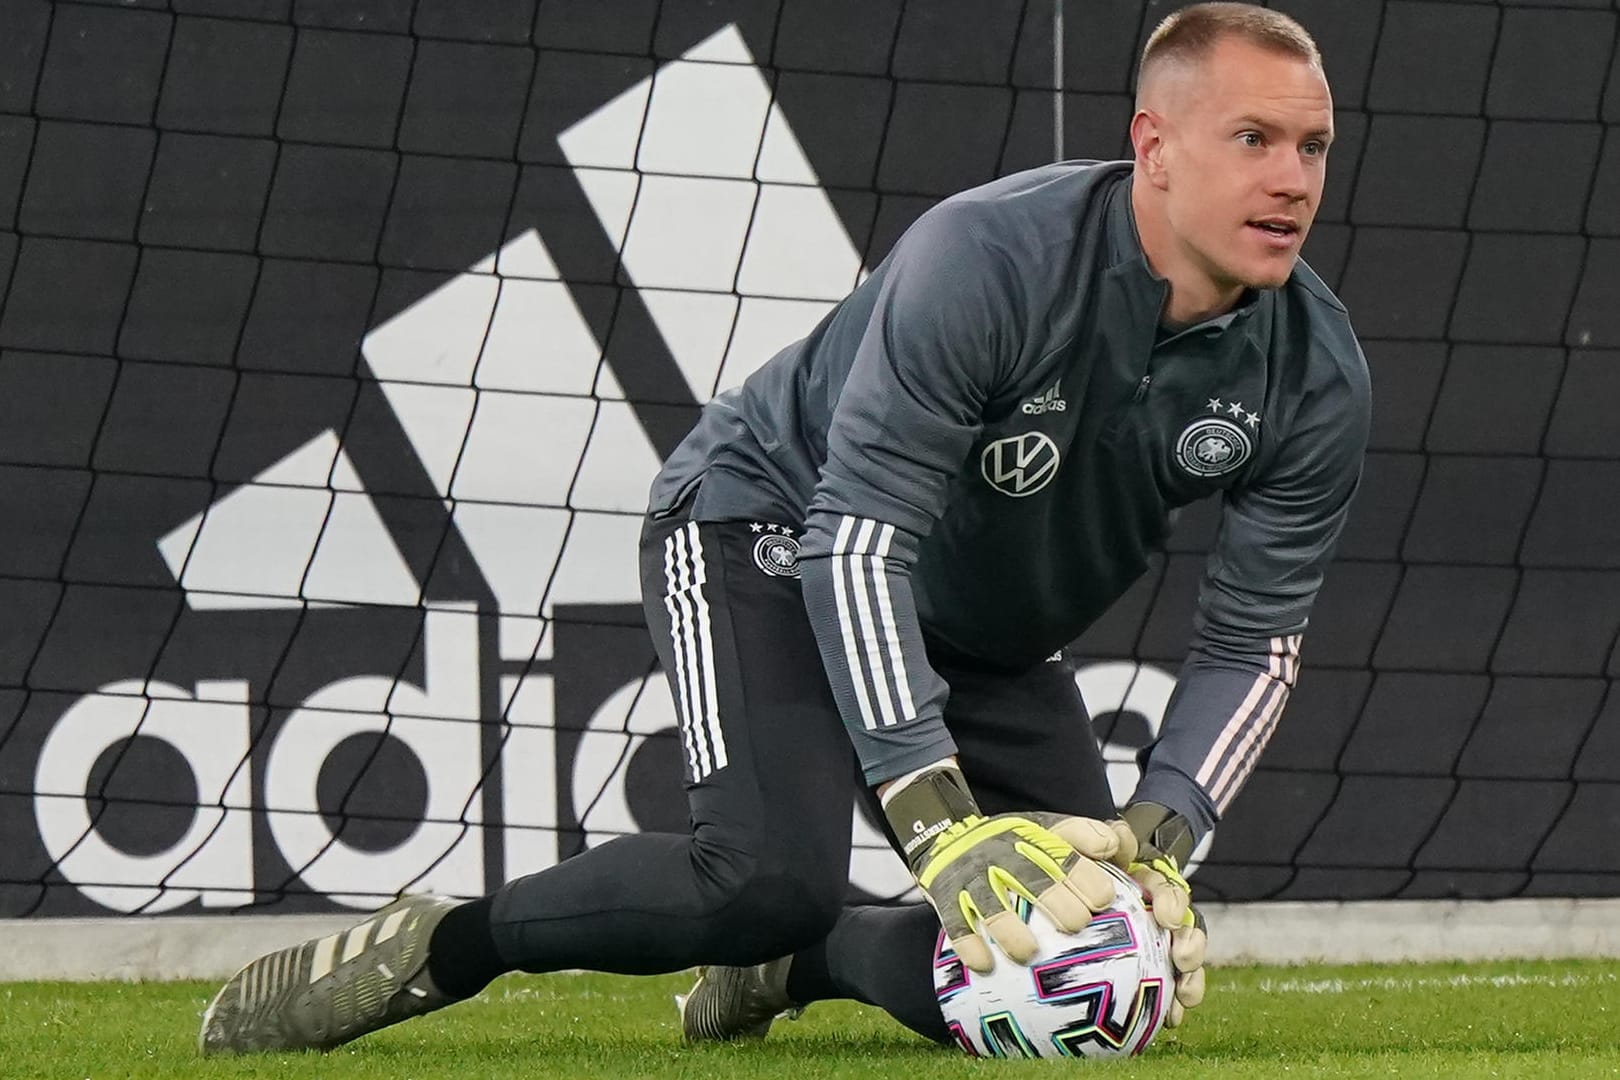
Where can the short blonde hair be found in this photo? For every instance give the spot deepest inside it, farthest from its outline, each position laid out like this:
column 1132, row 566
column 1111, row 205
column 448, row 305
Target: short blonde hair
column 1190, row 34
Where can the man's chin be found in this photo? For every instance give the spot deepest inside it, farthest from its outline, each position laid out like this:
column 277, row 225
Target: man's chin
column 1272, row 276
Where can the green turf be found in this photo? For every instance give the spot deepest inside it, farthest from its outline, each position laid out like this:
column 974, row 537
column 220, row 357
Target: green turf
column 1495, row 1020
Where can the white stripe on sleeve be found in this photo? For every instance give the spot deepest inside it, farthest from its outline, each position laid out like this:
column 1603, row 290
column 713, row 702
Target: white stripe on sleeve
column 1234, row 726
column 867, row 630
column 846, row 624
column 891, row 633
column 1247, row 753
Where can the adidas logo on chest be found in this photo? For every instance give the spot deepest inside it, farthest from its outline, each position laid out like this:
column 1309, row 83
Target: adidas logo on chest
column 1046, row 401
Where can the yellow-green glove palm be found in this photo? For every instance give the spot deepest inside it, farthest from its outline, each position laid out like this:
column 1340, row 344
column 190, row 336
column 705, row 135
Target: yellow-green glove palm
column 974, row 868
column 979, row 866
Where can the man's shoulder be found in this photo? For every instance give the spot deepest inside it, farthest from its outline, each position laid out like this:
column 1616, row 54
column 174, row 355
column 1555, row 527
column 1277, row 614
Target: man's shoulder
column 1058, row 179
column 1021, row 207
column 1322, row 324
column 1309, row 286
column 1027, row 239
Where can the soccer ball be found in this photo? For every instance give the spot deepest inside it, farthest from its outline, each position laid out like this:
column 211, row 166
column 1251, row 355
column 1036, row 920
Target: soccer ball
column 1101, row 993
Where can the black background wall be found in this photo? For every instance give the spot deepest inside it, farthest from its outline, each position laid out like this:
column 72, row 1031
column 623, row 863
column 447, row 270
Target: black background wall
column 339, row 339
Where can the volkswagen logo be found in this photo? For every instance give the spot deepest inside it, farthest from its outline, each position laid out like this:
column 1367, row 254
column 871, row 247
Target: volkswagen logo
column 1020, row 464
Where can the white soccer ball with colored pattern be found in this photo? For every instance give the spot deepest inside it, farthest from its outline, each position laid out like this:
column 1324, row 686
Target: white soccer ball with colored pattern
column 1101, row 993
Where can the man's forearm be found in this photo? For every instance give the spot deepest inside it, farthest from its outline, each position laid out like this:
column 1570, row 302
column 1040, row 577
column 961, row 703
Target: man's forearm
column 1219, row 720
column 857, row 593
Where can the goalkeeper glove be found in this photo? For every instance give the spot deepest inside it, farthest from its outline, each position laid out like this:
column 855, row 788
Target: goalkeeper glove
column 972, row 867
column 1163, row 843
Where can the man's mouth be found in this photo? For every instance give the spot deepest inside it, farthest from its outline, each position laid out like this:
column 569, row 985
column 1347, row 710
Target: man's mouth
column 1279, row 227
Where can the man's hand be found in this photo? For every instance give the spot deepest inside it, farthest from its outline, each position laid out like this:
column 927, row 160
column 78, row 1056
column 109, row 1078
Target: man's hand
column 1159, row 843
column 976, row 867
column 971, row 867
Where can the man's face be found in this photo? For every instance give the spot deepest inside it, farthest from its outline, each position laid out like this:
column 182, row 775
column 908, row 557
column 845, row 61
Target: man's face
column 1245, row 155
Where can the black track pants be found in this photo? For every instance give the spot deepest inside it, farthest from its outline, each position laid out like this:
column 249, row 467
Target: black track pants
column 772, row 780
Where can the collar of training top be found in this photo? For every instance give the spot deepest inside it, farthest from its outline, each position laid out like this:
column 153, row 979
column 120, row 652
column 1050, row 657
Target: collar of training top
column 1128, row 264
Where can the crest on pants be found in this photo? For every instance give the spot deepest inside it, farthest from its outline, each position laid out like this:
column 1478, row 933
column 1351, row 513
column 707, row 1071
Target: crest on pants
column 777, row 555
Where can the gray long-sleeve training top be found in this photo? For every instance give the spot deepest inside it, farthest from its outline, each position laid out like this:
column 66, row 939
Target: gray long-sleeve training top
column 983, row 444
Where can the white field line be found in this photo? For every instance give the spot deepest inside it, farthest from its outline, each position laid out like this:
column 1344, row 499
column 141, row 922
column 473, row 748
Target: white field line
column 1390, row 982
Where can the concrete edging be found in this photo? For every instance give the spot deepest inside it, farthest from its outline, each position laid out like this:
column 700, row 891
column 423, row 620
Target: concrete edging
column 1375, row 931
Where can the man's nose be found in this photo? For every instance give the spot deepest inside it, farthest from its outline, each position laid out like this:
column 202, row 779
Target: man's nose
column 1288, row 175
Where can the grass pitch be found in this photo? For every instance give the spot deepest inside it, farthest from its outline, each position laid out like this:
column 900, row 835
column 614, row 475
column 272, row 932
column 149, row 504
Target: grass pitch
column 1507, row 1020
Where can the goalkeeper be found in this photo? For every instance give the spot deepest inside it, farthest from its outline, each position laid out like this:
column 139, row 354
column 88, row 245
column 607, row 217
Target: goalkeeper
column 862, row 567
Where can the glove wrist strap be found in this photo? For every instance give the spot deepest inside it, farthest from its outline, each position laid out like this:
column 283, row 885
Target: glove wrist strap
column 923, row 804
column 1160, row 831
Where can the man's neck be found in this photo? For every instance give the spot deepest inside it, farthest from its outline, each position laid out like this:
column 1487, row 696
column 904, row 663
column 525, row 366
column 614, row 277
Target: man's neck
column 1194, row 296
column 1188, row 304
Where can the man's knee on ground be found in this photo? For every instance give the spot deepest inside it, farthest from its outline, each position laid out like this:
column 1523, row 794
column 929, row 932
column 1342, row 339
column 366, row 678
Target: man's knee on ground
column 766, row 904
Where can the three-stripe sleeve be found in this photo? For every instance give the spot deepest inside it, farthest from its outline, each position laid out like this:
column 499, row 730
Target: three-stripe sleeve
column 1244, row 735
column 692, row 636
column 858, row 595
column 1221, row 717
column 866, row 617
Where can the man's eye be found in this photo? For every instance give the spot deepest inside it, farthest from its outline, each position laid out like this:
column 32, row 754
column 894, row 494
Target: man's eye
column 1315, row 149
column 1251, row 138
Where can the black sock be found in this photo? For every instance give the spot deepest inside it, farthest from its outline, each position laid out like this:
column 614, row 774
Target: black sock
column 461, row 954
column 882, row 956
column 808, row 978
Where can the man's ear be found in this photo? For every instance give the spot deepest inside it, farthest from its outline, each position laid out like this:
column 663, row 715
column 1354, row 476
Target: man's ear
column 1147, row 139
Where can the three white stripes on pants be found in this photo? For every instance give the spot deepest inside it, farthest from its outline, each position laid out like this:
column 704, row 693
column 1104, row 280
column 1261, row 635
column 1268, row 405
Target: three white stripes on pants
column 685, row 575
column 866, row 619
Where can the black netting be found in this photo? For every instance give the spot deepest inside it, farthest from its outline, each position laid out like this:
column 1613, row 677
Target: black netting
column 340, row 338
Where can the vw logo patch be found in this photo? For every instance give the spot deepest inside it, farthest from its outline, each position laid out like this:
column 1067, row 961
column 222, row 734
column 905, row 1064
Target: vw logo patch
column 1021, row 464
column 778, row 556
column 1213, row 445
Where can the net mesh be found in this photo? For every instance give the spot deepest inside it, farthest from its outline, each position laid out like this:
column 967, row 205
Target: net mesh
column 340, row 340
